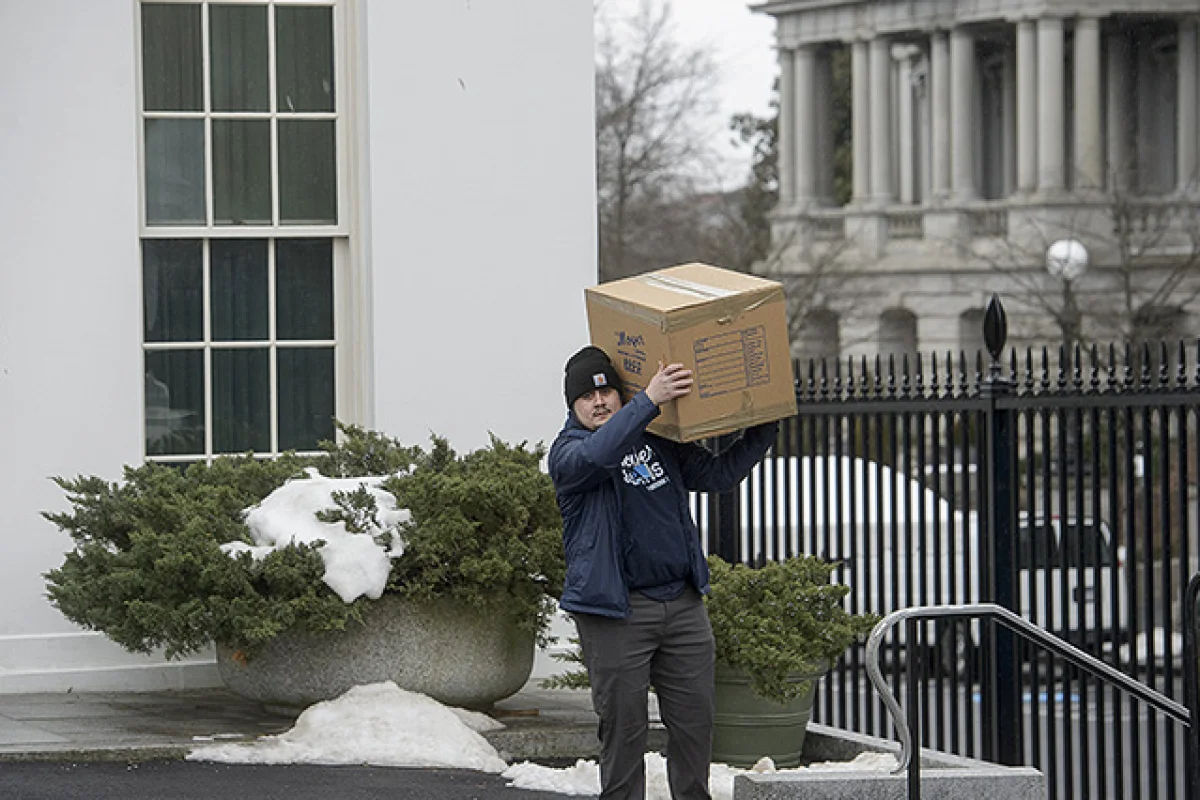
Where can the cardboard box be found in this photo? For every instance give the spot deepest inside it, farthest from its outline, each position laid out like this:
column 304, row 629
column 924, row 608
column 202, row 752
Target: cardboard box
column 729, row 328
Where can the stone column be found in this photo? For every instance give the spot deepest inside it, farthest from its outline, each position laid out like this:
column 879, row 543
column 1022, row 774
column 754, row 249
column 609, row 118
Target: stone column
column 1009, row 116
column 924, row 132
column 907, row 120
column 1089, row 142
column 860, row 122
column 881, row 121
column 1027, row 106
column 1186, row 118
column 962, row 111
column 804, row 66
column 1051, row 106
column 939, row 102
column 824, row 114
column 1120, row 127
column 787, row 128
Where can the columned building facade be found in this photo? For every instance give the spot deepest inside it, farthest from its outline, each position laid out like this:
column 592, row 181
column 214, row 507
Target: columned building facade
column 980, row 133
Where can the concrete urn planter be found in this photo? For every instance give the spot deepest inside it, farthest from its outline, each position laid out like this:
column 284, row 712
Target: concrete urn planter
column 457, row 655
column 747, row 727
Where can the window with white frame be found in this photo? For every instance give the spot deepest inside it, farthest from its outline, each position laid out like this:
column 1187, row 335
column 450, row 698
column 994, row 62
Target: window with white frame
column 242, row 244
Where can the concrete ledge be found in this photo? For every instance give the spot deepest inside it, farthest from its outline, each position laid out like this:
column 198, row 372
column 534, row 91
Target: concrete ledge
column 74, row 754
column 825, row 743
column 555, row 744
column 1019, row 783
column 944, row 776
column 86, row 661
column 151, row 677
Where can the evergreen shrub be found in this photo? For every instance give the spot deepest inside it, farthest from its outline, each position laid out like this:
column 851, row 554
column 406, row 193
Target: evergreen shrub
column 779, row 619
column 147, row 570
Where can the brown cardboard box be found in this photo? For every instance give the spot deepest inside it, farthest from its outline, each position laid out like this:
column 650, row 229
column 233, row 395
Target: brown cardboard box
column 729, row 328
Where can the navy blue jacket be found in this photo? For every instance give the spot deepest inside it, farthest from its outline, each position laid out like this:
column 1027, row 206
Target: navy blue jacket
column 585, row 466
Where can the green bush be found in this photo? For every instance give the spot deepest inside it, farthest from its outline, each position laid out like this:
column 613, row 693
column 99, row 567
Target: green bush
column 574, row 678
column 147, row 569
column 485, row 531
column 780, row 619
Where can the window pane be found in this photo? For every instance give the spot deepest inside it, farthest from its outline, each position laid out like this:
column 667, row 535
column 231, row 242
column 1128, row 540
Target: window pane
column 304, row 289
column 305, row 397
column 241, row 401
column 175, row 171
column 172, row 290
column 239, row 289
column 174, row 402
column 172, row 69
column 307, row 177
column 241, row 172
column 237, row 46
column 304, row 58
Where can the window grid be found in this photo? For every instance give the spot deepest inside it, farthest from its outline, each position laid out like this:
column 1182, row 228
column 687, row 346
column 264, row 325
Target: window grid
column 209, row 192
column 209, row 345
column 275, row 231
column 272, row 116
column 272, row 101
column 273, row 359
column 206, row 306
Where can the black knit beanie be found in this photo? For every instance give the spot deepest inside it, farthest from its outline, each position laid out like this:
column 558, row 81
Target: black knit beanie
column 589, row 369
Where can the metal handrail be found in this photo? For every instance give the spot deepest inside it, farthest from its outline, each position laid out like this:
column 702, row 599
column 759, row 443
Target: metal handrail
column 1020, row 626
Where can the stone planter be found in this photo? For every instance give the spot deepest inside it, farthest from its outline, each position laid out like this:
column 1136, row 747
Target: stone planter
column 747, row 727
column 455, row 654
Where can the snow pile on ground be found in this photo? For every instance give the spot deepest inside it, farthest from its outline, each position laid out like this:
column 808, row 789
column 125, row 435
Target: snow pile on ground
column 383, row 725
column 355, row 565
column 880, row 762
column 379, row 724
column 581, row 779
column 584, row 777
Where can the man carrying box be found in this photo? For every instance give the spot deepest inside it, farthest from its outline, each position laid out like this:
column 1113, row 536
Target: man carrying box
column 636, row 571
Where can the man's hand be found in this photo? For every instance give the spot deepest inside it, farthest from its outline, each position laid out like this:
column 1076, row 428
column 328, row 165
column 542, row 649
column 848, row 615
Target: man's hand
column 668, row 383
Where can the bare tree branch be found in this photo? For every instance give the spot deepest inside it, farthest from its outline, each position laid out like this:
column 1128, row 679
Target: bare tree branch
column 1145, row 267
column 651, row 92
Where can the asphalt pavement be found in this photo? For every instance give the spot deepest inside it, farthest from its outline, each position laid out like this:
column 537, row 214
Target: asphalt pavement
column 186, row 780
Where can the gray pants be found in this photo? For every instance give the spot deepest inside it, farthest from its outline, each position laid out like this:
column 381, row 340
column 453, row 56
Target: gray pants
column 669, row 645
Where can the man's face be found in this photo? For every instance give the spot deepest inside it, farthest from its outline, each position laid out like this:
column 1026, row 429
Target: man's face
column 594, row 408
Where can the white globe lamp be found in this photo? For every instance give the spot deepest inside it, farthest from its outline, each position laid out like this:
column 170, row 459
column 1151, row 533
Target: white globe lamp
column 1067, row 259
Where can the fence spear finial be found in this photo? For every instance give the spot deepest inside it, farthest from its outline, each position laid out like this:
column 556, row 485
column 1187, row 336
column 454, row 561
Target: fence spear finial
column 995, row 328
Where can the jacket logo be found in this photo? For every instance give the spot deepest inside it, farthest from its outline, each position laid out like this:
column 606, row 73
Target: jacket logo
column 641, row 468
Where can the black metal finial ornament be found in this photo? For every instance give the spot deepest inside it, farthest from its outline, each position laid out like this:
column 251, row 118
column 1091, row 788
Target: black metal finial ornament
column 995, row 328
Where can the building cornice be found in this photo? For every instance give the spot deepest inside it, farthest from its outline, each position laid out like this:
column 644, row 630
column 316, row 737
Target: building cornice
column 801, row 22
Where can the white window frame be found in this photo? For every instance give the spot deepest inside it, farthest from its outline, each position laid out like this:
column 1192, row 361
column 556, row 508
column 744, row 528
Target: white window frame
column 349, row 294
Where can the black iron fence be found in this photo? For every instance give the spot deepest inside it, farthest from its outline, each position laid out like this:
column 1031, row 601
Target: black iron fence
column 1062, row 486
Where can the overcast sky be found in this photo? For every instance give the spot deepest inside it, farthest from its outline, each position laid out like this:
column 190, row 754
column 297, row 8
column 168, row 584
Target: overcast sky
column 742, row 43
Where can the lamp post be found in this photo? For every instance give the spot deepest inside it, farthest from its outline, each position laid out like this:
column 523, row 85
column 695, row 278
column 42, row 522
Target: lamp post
column 1067, row 260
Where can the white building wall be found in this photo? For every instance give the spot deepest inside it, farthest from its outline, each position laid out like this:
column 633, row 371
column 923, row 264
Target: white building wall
column 70, row 317
column 482, row 215
column 476, row 235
